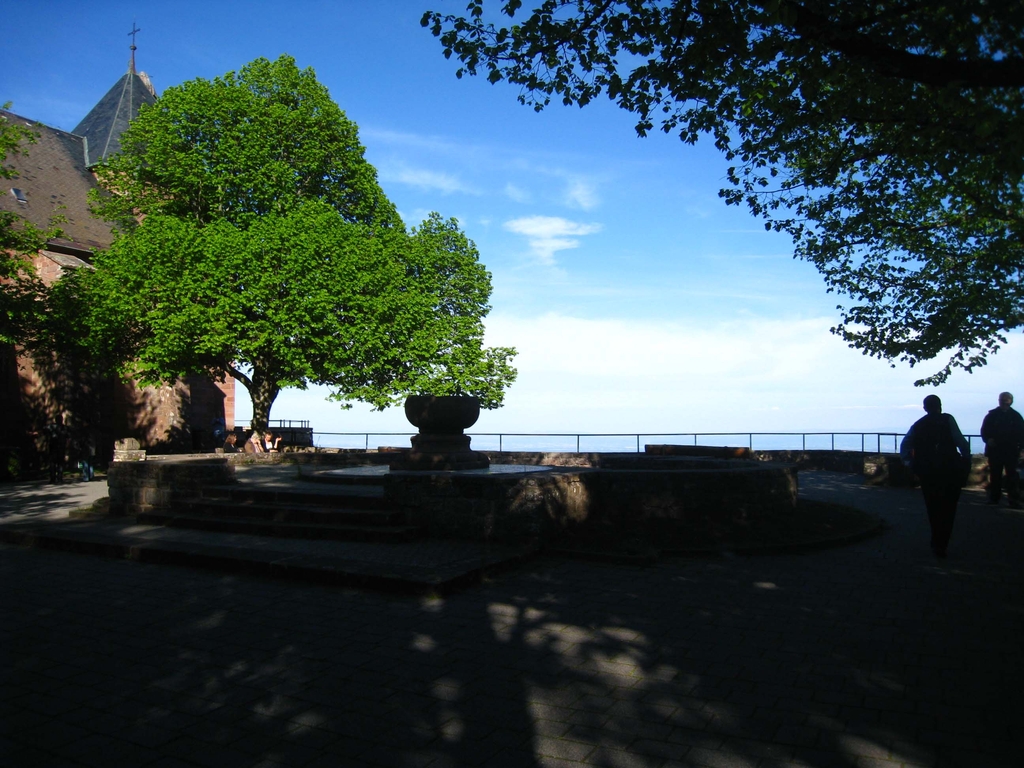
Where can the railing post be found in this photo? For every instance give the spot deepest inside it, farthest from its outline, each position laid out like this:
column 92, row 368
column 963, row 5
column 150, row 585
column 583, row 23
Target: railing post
column 638, row 443
column 577, row 443
column 803, row 441
column 750, row 441
column 833, row 441
column 499, row 442
column 366, row 445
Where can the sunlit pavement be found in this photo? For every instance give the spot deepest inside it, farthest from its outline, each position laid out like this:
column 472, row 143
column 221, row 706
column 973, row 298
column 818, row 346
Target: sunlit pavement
column 873, row 654
column 40, row 500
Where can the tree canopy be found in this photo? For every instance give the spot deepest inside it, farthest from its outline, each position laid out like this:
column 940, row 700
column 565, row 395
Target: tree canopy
column 255, row 242
column 256, row 142
column 446, row 293
column 886, row 138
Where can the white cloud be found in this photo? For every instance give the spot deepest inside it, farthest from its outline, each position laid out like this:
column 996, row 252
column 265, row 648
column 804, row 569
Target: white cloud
column 548, row 234
column 756, row 374
column 581, row 193
column 422, row 178
column 415, row 217
column 421, row 142
column 621, row 375
column 517, row 193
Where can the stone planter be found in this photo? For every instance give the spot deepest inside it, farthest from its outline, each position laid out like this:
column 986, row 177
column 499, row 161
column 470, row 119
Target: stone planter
column 442, row 415
column 441, row 444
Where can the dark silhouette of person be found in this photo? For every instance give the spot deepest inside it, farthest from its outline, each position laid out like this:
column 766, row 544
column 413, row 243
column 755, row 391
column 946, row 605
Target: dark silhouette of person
column 87, row 450
column 58, row 448
column 1003, row 433
column 936, row 451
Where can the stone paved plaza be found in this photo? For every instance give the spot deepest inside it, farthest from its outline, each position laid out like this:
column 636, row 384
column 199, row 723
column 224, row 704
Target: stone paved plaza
column 873, row 654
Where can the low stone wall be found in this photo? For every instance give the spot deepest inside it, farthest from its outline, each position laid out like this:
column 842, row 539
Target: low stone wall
column 543, row 505
column 889, row 469
column 832, row 461
column 877, row 468
column 713, row 451
column 612, row 460
column 148, row 486
column 314, row 458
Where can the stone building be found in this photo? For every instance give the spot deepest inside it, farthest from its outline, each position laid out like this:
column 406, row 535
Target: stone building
column 54, row 179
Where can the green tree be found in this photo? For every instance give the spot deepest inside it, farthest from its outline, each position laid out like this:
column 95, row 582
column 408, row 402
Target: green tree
column 19, row 240
column 886, row 138
column 256, row 142
column 443, row 303
column 255, row 242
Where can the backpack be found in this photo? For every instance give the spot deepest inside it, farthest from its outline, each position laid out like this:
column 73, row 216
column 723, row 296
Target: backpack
column 936, row 458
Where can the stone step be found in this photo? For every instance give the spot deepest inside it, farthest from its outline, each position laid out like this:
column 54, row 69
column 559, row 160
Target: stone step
column 283, row 529
column 289, row 511
column 357, row 477
column 357, row 497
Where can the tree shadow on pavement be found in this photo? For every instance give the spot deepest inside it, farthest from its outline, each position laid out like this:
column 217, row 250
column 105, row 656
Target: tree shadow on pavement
column 871, row 652
column 33, row 500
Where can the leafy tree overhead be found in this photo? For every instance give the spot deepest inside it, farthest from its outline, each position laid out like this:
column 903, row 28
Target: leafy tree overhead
column 255, row 242
column 886, row 138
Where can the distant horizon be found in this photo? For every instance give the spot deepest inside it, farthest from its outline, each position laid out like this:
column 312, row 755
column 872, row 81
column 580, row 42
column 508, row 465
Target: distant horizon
column 874, row 442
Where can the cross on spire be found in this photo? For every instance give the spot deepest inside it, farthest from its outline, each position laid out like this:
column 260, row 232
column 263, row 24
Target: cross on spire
column 133, row 33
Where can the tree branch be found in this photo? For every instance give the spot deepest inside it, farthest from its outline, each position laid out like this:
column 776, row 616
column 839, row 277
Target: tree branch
column 892, row 62
column 237, row 374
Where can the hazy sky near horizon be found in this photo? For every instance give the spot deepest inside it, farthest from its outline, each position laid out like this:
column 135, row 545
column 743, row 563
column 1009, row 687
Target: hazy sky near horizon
column 638, row 300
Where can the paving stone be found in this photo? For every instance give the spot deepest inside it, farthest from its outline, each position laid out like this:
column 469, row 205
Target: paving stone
column 101, row 750
column 804, row 757
column 797, row 735
column 48, row 736
column 873, row 654
column 710, row 758
column 562, row 748
column 207, row 755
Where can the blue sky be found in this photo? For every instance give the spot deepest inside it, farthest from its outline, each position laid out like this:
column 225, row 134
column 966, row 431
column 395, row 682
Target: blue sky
column 638, row 300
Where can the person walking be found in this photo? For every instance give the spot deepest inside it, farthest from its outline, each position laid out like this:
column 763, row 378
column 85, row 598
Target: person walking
column 87, row 455
column 937, row 452
column 58, row 448
column 1003, row 433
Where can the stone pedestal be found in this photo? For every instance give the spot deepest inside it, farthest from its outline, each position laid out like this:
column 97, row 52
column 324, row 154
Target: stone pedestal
column 441, row 452
column 128, row 450
column 441, row 444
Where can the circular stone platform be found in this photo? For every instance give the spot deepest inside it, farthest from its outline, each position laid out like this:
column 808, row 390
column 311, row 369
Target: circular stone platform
column 381, row 471
column 615, row 494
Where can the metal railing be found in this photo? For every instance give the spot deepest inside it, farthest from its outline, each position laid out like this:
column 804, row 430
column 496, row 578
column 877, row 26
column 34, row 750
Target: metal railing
column 877, row 442
column 279, row 424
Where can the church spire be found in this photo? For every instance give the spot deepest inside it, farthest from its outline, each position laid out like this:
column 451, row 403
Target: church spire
column 103, row 126
column 131, row 63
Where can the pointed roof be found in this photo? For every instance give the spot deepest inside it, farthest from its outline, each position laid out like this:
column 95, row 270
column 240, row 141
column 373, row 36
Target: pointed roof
column 53, row 182
column 103, row 126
